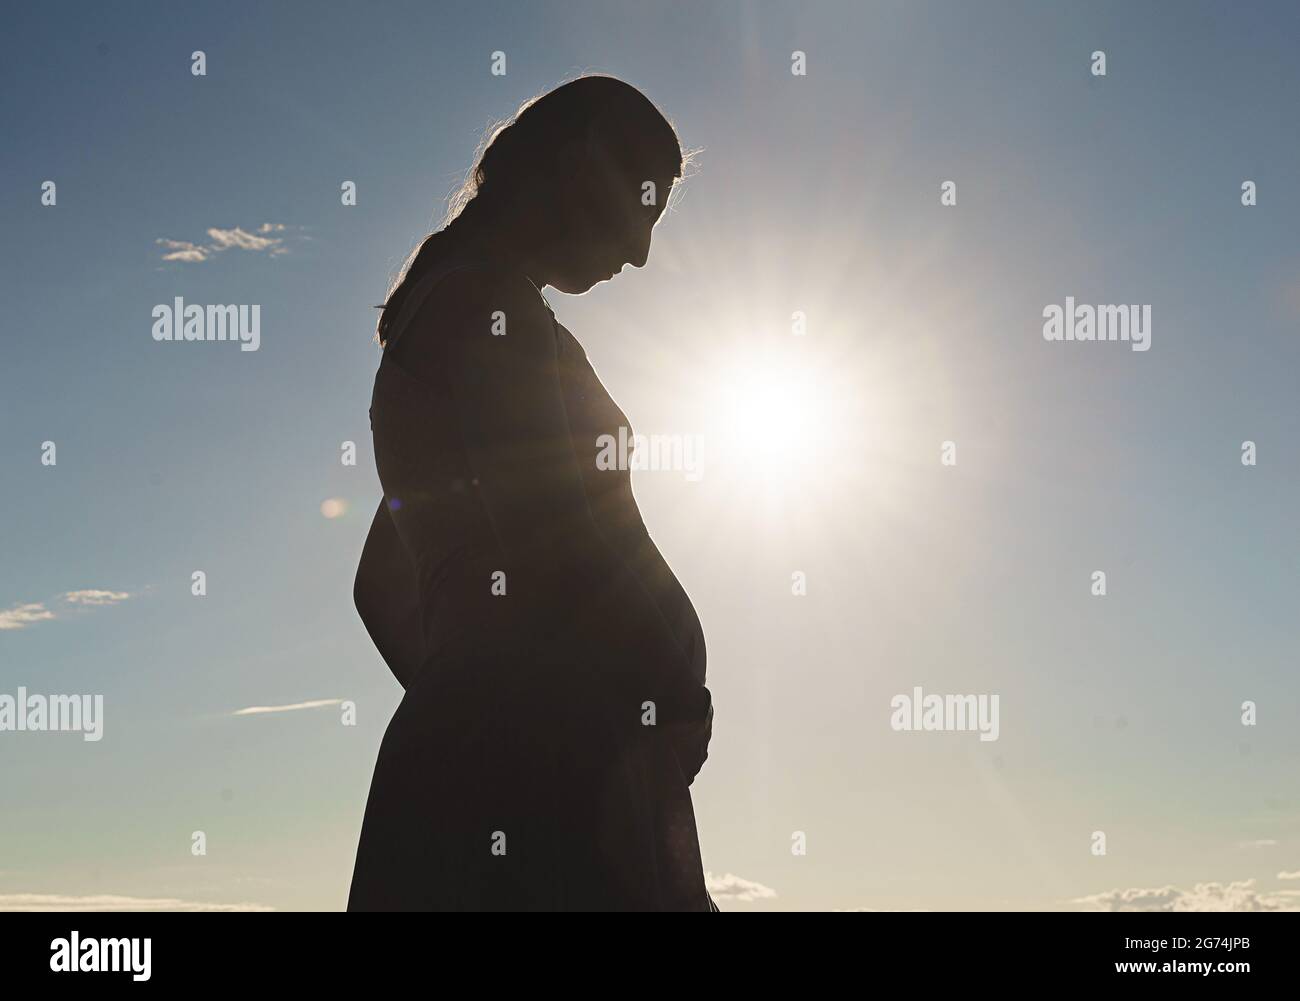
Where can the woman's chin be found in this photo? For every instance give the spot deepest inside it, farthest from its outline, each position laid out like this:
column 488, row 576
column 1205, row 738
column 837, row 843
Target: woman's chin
column 578, row 285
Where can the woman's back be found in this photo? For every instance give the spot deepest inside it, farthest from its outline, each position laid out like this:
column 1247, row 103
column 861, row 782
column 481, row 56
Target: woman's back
column 418, row 414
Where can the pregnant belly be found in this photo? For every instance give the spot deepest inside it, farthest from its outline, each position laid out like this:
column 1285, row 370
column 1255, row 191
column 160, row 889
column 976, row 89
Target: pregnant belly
column 673, row 602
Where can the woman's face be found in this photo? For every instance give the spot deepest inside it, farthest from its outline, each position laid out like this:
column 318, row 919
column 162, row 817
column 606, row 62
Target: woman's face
column 605, row 219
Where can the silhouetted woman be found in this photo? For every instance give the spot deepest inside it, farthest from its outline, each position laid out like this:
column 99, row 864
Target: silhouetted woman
column 555, row 710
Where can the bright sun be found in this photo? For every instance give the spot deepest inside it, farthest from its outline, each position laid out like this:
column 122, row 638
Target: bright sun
column 774, row 421
column 792, row 424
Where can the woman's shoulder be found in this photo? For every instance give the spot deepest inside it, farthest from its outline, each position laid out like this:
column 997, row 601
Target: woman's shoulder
column 482, row 303
column 466, row 288
column 474, row 312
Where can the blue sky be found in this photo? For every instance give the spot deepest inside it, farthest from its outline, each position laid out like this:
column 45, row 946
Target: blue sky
column 816, row 193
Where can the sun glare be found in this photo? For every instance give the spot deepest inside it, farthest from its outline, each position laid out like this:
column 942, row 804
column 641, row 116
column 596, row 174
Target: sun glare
column 774, row 421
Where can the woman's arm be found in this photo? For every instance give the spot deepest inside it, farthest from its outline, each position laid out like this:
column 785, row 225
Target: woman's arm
column 386, row 594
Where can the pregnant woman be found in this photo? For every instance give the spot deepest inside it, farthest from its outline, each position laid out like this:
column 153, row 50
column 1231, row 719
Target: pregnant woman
column 555, row 710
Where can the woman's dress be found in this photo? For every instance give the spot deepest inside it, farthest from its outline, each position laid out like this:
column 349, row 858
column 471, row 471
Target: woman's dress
column 541, row 756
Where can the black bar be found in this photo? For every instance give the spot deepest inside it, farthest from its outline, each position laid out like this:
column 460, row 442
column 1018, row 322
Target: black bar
column 921, row 951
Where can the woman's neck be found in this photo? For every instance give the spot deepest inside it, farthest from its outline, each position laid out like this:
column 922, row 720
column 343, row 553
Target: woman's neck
column 485, row 237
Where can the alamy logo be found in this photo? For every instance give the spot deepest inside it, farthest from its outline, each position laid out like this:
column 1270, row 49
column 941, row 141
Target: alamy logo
column 55, row 712
column 682, row 453
column 945, row 712
column 1098, row 323
column 179, row 322
column 102, row 955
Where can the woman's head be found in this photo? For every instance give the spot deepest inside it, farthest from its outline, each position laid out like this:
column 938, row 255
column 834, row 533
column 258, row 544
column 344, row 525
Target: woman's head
column 570, row 186
column 581, row 174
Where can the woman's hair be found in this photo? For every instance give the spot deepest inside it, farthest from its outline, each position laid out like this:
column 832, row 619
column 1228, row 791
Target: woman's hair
column 516, row 161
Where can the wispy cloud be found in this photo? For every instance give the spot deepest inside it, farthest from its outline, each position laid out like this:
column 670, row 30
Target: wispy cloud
column 732, row 887
column 183, row 250
column 1236, row 896
column 94, row 596
column 1289, row 875
column 111, row 902
column 1259, row 843
column 224, row 239
column 22, row 616
column 258, row 241
column 291, row 707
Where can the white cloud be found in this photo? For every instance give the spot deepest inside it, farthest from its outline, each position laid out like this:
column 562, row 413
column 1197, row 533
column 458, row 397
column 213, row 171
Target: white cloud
column 112, row 902
column 314, row 704
column 225, row 239
column 730, row 887
column 183, row 250
column 95, row 597
column 21, row 616
column 1260, row 843
column 1289, row 875
column 1236, row 896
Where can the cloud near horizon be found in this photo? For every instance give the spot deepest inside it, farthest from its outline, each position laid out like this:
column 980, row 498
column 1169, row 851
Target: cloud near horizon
column 186, row 252
column 113, row 902
column 732, row 887
column 1240, row 895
